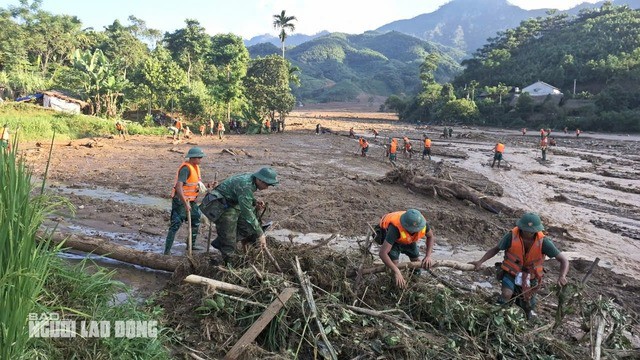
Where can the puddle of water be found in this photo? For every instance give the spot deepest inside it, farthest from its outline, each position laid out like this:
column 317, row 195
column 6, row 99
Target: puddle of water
column 103, row 193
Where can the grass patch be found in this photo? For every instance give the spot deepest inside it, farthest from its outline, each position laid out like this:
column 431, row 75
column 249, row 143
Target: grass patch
column 75, row 294
column 37, row 123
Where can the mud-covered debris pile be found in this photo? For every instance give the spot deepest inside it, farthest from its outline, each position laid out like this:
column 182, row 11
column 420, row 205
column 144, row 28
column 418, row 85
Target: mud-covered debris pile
column 367, row 317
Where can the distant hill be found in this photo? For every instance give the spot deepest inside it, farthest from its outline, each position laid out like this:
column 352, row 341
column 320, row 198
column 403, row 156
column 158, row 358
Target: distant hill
column 291, row 40
column 339, row 67
column 467, row 24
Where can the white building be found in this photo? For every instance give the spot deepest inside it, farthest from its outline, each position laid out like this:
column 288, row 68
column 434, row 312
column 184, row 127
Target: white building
column 541, row 88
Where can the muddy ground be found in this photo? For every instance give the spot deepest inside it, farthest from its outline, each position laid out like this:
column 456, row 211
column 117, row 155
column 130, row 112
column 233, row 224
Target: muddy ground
column 588, row 192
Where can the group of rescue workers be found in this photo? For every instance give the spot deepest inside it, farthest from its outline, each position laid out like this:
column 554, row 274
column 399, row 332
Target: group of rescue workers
column 232, row 206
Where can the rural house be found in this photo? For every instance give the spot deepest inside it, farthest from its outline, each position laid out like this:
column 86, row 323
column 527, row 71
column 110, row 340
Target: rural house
column 540, row 91
column 61, row 102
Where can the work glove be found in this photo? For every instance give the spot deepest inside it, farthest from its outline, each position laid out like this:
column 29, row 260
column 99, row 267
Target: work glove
column 262, row 240
column 202, row 187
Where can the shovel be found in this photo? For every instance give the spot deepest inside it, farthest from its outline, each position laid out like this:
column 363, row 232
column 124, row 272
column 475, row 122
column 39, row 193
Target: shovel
column 215, row 179
column 189, row 229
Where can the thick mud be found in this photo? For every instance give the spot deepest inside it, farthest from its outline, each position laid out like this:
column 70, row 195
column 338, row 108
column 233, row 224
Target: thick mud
column 588, row 192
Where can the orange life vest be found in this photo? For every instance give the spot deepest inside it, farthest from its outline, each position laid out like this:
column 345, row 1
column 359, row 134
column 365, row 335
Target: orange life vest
column 544, row 142
column 179, row 124
column 202, row 127
column 190, row 187
column 499, row 148
column 405, row 237
column 394, row 146
column 427, row 143
column 118, row 126
column 363, row 143
column 220, row 126
column 267, row 123
column 515, row 259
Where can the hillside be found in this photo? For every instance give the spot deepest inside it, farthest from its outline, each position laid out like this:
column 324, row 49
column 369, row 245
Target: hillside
column 339, row 67
column 467, row 24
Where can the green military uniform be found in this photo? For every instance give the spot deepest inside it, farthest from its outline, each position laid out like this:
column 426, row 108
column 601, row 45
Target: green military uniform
column 239, row 218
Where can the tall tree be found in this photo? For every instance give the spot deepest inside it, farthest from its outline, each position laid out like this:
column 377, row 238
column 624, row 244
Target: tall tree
column 267, row 85
column 285, row 24
column 189, row 47
column 230, row 57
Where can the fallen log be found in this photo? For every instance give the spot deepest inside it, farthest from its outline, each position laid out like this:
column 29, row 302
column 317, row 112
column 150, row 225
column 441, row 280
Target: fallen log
column 108, row 249
column 415, row 265
column 218, row 285
column 425, row 184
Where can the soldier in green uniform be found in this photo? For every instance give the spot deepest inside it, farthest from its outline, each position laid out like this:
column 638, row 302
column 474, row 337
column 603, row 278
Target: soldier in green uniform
column 238, row 218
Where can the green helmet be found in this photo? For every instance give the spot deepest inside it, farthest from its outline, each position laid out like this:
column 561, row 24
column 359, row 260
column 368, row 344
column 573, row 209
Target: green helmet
column 267, row 174
column 413, row 221
column 195, row 152
column 530, row 222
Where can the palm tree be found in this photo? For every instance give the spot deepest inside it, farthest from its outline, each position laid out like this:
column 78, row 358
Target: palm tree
column 284, row 23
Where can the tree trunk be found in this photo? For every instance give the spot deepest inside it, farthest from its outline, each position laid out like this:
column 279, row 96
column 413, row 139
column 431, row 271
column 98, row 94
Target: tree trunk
column 415, row 265
column 118, row 252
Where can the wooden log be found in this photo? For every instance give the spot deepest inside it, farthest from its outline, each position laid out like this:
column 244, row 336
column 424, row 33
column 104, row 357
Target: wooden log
column 250, row 335
column 108, row 249
column 415, row 265
column 218, row 285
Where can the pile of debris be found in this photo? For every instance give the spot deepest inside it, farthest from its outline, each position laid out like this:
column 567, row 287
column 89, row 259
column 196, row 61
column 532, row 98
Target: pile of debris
column 309, row 302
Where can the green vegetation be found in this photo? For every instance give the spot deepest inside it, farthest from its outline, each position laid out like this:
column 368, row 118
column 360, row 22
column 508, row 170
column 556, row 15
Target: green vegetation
column 339, row 67
column 35, row 123
column 599, row 49
column 125, row 68
column 34, row 281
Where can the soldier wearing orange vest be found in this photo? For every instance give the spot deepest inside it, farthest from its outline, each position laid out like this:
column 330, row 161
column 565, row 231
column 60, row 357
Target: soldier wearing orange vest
column 121, row 129
column 521, row 272
column 407, row 148
column 187, row 186
column 364, row 146
column 393, row 149
column 399, row 232
column 497, row 155
column 427, row 147
column 544, row 143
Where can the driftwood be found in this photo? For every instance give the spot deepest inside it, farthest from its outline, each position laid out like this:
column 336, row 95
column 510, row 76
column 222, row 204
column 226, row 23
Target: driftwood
column 426, row 184
column 108, row 249
column 229, row 151
column 415, row 265
column 305, row 283
column 262, row 322
column 218, row 285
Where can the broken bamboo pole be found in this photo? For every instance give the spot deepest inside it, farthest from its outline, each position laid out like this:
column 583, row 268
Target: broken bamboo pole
column 305, row 284
column 250, row 335
column 218, row 285
column 415, row 265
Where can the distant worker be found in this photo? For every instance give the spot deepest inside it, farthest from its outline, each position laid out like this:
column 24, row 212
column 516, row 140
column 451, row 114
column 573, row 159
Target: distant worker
column 524, row 131
column 318, row 129
column 121, row 130
column 552, row 142
column 375, row 134
column 544, row 143
column 450, row 132
column 267, row 125
column 445, row 132
column 238, row 219
column 352, row 134
column 187, row 132
column 220, row 129
column 497, row 155
column 364, row 146
column 542, row 134
column 212, row 125
column 5, row 138
column 427, row 147
column 566, row 129
column 393, row 149
column 577, row 132
column 407, row 148
column 202, row 129
column 521, row 271
column 178, row 125
column 398, row 233
column 187, row 186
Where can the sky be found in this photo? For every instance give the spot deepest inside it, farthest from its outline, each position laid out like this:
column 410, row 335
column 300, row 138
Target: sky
column 249, row 18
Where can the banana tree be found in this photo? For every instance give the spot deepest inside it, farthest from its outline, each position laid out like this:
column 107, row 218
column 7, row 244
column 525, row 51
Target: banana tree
column 103, row 84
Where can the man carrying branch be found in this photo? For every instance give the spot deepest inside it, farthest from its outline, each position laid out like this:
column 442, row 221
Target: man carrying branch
column 399, row 232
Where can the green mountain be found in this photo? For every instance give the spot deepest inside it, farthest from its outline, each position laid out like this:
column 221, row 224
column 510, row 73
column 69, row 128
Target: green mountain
column 339, row 67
